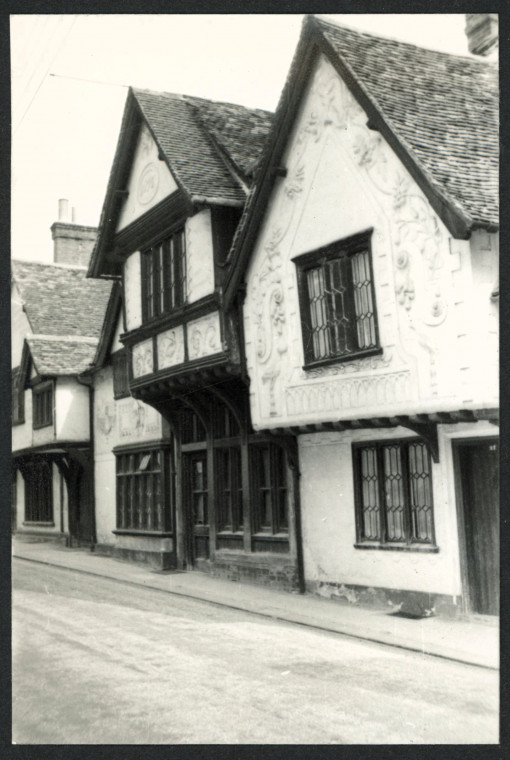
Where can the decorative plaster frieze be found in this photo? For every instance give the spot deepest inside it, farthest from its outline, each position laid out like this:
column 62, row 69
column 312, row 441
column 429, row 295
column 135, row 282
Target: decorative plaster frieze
column 204, row 336
column 143, row 359
column 106, row 417
column 170, row 347
column 351, row 393
column 354, row 366
column 137, row 420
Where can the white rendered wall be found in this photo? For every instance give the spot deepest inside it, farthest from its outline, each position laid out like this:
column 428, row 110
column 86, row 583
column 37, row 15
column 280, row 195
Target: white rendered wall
column 71, row 410
column 199, row 256
column 328, row 517
column 20, row 326
column 343, row 178
column 149, row 183
column 116, row 423
column 133, row 290
column 22, row 434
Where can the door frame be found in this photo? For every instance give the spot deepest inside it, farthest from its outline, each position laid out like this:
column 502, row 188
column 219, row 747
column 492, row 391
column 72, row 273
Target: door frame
column 457, row 444
column 188, row 456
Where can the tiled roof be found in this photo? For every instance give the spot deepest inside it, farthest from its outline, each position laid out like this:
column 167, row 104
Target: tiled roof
column 188, row 131
column 240, row 132
column 60, row 356
column 60, row 300
column 443, row 107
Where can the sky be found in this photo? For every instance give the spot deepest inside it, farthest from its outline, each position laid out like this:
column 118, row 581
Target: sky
column 69, row 77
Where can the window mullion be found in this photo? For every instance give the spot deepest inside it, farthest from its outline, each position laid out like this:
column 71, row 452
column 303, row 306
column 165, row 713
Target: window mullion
column 404, row 456
column 382, row 493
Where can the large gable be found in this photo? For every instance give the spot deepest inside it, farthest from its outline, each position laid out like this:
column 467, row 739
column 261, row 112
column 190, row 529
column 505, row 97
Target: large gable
column 438, row 112
column 443, row 107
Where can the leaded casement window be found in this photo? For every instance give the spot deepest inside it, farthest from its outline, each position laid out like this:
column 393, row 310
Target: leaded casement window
column 337, row 301
column 18, row 397
column 38, row 476
column 269, row 488
column 144, row 485
column 164, row 276
column 229, row 489
column 120, row 367
column 42, row 405
column 393, row 485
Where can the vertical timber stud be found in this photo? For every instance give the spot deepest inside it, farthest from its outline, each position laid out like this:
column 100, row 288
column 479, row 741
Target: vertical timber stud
column 246, row 489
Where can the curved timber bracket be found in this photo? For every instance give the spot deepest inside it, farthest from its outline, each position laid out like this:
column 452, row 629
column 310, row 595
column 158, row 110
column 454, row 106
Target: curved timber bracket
column 427, row 431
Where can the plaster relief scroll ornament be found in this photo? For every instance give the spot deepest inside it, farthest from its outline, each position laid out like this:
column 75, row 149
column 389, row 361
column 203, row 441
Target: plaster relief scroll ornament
column 148, row 184
column 204, row 340
column 139, row 417
column 106, row 418
column 142, row 359
column 169, row 347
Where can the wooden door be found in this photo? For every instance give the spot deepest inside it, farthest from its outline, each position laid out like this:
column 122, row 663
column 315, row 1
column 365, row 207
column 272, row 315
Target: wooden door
column 478, row 466
column 196, row 506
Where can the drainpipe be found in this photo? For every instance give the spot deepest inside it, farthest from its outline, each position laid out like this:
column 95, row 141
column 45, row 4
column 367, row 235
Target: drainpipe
column 85, row 379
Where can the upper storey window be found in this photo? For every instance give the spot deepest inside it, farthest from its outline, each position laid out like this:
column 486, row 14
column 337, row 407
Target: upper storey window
column 164, row 276
column 337, row 302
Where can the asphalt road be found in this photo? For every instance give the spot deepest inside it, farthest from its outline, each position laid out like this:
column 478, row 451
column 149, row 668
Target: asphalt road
column 101, row 662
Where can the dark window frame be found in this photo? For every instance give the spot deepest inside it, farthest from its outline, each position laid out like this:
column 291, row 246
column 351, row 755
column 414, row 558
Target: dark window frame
column 163, row 274
column 229, row 489
column 381, row 478
column 43, row 400
column 137, row 474
column 339, row 310
column 38, row 477
column 17, row 397
column 269, row 481
column 120, row 372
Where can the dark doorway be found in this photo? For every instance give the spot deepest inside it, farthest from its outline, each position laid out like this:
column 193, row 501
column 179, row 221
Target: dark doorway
column 196, row 506
column 478, row 487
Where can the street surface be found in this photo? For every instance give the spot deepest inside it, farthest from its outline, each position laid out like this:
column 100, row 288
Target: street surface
column 101, row 662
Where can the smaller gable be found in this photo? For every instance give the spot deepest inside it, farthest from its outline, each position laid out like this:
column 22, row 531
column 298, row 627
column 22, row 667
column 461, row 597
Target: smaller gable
column 150, row 180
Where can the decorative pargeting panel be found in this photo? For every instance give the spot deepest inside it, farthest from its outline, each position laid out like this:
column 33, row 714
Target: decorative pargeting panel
column 343, row 179
column 143, row 359
column 199, row 256
column 150, row 180
column 204, row 337
column 170, row 347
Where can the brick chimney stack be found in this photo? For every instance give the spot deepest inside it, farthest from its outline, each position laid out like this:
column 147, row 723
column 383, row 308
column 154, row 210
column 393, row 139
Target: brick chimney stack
column 482, row 33
column 72, row 243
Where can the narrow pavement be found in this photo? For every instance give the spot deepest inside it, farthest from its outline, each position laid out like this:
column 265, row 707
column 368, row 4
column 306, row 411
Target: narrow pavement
column 99, row 661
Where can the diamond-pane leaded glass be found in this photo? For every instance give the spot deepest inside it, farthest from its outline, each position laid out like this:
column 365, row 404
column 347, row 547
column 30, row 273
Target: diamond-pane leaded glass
column 395, row 493
column 370, row 492
column 337, row 300
column 421, row 492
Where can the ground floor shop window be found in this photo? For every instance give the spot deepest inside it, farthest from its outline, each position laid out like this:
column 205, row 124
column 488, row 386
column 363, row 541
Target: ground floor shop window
column 393, row 484
column 143, row 489
column 230, row 489
column 269, row 488
column 38, row 492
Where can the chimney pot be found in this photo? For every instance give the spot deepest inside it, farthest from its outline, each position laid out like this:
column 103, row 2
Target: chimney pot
column 63, row 210
column 482, row 33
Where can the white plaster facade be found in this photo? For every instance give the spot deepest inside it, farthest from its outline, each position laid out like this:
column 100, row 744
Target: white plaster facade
column 438, row 330
column 150, row 180
column 117, row 423
column 432, row 292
